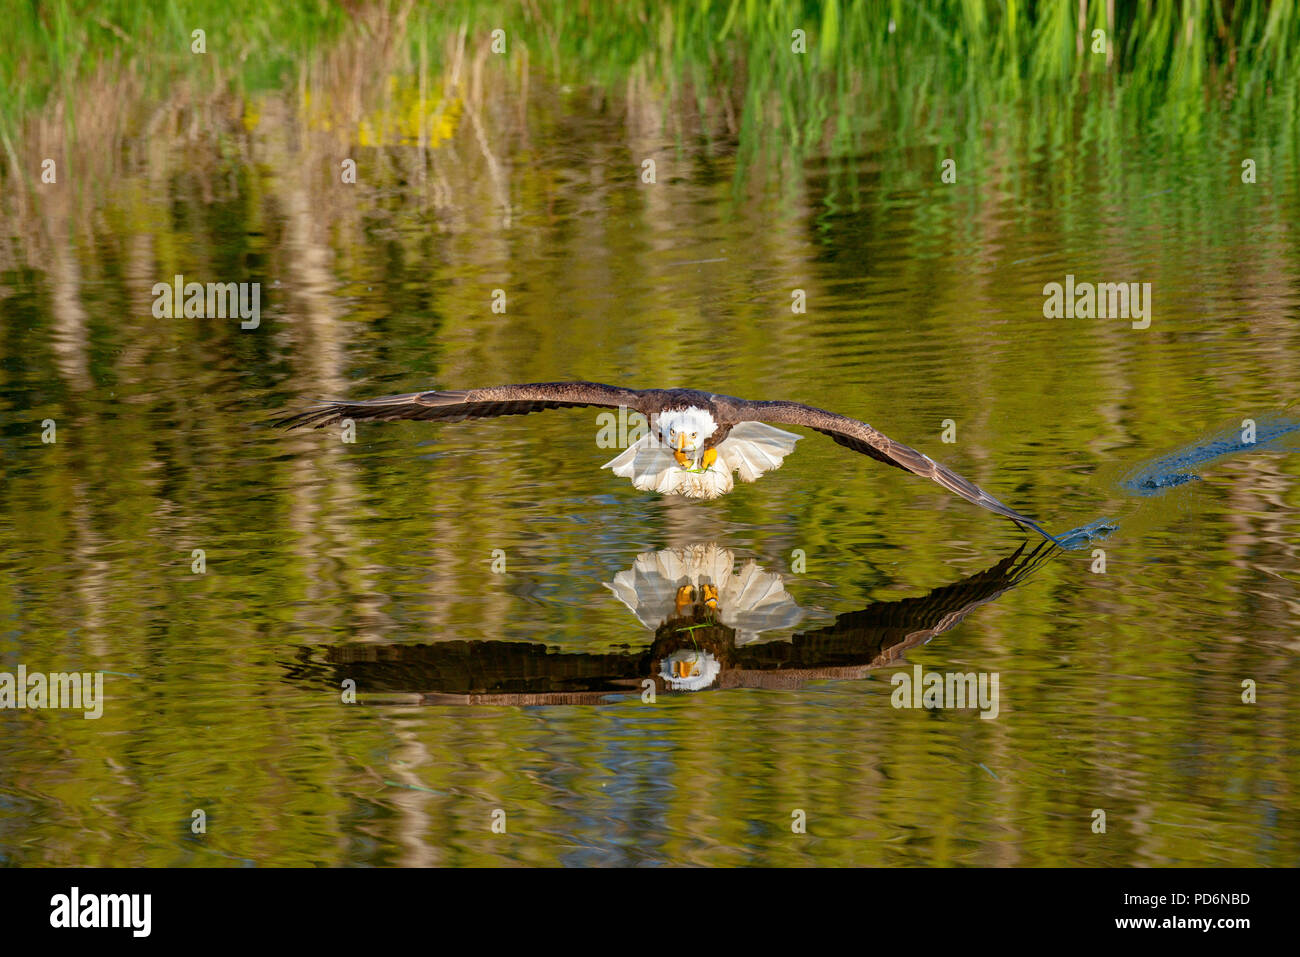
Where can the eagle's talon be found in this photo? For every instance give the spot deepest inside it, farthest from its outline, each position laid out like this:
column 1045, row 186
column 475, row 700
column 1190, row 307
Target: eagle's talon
column 685, row 599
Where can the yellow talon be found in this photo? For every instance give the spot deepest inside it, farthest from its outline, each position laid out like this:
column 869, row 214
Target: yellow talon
column 685, row 599
column 709, row 595
column 710, row 456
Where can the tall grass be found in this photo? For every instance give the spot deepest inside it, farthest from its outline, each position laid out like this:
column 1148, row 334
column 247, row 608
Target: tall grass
column 882, row 63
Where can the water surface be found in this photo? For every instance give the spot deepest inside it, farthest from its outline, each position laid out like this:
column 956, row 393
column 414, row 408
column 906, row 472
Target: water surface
column 1121, row 689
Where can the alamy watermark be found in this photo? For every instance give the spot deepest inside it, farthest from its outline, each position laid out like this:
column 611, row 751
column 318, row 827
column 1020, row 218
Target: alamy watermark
column 130, row 911
column 625, row 429
column 77, row 691
column 1106, row 300
column 952, row 690
column 215, row 300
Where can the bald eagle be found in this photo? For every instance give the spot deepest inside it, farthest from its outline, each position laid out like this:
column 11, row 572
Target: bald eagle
column 695, row 442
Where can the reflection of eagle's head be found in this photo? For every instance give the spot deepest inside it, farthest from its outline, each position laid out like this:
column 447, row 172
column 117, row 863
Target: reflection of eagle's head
column 689, row 669
column 685, row 430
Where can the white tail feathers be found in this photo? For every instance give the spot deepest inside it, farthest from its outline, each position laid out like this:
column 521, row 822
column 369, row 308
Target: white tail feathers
column 751, row 449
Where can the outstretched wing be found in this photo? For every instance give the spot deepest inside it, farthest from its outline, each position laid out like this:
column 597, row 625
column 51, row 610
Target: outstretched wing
column 861, row 437
column 455, row 406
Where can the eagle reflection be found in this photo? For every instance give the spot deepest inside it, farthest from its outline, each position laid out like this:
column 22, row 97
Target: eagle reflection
column 706, row 614
column 702, row 582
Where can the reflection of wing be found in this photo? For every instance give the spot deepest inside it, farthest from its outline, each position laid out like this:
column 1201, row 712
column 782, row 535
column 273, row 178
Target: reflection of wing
column 750, row 600
column 861, row 437
column 882, row 631
column 527, row 673
column 454, row 406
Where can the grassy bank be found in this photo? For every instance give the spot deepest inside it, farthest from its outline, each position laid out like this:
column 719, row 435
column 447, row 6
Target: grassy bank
column 899, row 62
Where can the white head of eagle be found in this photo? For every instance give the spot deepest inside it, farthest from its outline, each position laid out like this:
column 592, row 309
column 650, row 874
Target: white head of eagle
column 673, row 459
column 686, row 430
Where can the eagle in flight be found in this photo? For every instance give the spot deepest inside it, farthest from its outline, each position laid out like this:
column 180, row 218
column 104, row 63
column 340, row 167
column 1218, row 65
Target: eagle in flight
column 695, row 442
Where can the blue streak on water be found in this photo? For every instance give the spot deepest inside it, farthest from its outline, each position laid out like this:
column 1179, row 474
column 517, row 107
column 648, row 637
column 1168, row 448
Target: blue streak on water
column 1174, row 468
column 1085, row 535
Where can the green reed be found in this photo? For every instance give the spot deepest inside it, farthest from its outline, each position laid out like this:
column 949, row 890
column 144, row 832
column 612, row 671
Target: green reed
column 880, row 62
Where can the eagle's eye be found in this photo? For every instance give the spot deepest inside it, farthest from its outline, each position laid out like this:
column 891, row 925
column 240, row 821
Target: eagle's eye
column 694, row 434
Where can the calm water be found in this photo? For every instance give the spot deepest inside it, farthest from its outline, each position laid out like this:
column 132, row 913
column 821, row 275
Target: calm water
column 380, row 560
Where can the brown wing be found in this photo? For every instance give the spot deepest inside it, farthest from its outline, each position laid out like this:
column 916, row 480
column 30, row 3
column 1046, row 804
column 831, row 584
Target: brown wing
column 863, row 438
column 455, row 406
